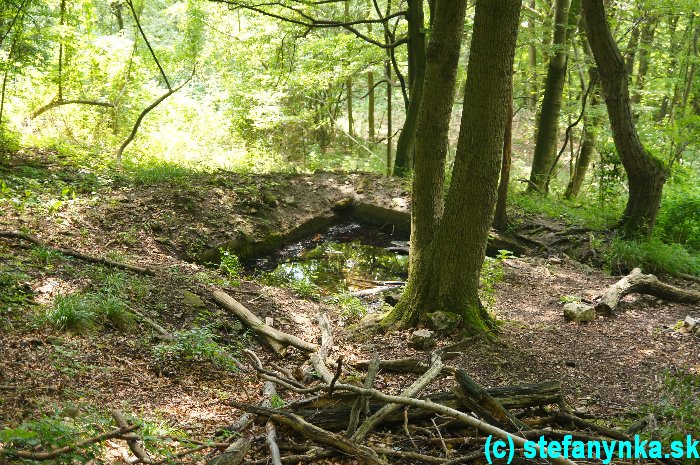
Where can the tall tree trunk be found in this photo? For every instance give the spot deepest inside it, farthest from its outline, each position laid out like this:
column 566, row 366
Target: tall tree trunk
column 672, row 51
column 389, row 136
column 370, row 87
column 532, row 63
column 590, row 125
column 692, row 64
column 447, row 251
column 348, row 88
column 646, row 176
column 500, row 218
column 631, row 51
column 645, row 40
column 416, row 76
column 370, row 106
column 548, row 126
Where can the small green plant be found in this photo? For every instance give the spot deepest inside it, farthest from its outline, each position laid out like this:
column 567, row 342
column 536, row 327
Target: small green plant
column 230, row 264
column 72, row 312
column 350, row 305
column 566, row 299
column 306, row 289
column 44, row 256
column 114, row 310
column 678, row 408
column 276, row 401
column 492, row 274
column 53, row 432
column 195, row 345
column 653, row 256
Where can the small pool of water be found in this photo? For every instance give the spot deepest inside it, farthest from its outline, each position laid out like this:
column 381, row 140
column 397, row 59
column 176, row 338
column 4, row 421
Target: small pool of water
column 345, row 259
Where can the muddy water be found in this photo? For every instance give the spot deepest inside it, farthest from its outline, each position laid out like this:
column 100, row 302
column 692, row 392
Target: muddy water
column 347, row 258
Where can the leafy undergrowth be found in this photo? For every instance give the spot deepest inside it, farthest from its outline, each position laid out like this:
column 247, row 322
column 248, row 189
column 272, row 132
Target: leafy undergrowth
column 673, row 249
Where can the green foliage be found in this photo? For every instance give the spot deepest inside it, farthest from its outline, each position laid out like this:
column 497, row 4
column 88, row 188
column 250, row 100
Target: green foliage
column 652, row 256
column 72, row 312
column 576, row 212
column 679, row 217
column 195, row 345
column 53, row 432
column 107, row 305
column 678, row 409
column 492, row 274
column 230, row 265
column 350, row 305
column 114, row 310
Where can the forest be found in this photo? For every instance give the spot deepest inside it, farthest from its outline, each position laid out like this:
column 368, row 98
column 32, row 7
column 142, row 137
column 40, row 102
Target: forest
column 349, row 232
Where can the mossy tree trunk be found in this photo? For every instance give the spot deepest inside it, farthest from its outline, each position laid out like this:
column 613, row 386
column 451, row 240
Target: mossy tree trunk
column 646, row 175
column 548, row 124
column 448, row 250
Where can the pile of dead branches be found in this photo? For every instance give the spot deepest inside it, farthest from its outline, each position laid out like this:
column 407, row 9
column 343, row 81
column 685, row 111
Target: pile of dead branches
column 307, row 421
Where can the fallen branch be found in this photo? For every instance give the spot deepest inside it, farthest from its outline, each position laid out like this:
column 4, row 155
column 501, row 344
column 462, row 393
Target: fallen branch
column 361, row 404
column 64, row 450
column 72, row 253
column 636, row 282
column 132, row 442
column 275, row 339
column 483, row 404
column 269, row 392
column 314, row 433
column 413, row 390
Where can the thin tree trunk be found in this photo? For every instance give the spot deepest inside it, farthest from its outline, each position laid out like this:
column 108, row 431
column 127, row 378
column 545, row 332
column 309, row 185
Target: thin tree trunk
column 548, row 126
column 590, row 124
column 646, row 176
column 416, row 75
column 62, row 22
column 348, row 88
column 447, row 251
column 370, row 91
column 389, row 129
column 645, row 41
column 532, row 63
column 500, row 219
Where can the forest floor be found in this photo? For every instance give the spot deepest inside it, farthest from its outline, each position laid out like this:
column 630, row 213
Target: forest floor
column 611, row 368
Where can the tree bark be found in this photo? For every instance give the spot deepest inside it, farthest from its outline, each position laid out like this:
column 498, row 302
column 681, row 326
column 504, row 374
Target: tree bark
column 636, row 282
column 416, row 76
column 532, row 64
column 548, row 125
column 588, row 142
column 447, row 251
column 500, row 219
column 646, row 175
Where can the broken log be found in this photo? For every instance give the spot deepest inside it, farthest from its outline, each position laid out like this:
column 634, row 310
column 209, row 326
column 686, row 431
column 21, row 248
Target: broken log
column 639, row 283
column 333, row 413
column 483, row 404
column 276, row 339
column 313, row 432
column 405, row 365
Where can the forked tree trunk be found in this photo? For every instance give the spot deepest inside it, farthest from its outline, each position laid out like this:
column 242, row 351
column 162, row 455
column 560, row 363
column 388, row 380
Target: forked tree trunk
column 548, row 125
column 447, row 251
column 646, row 175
